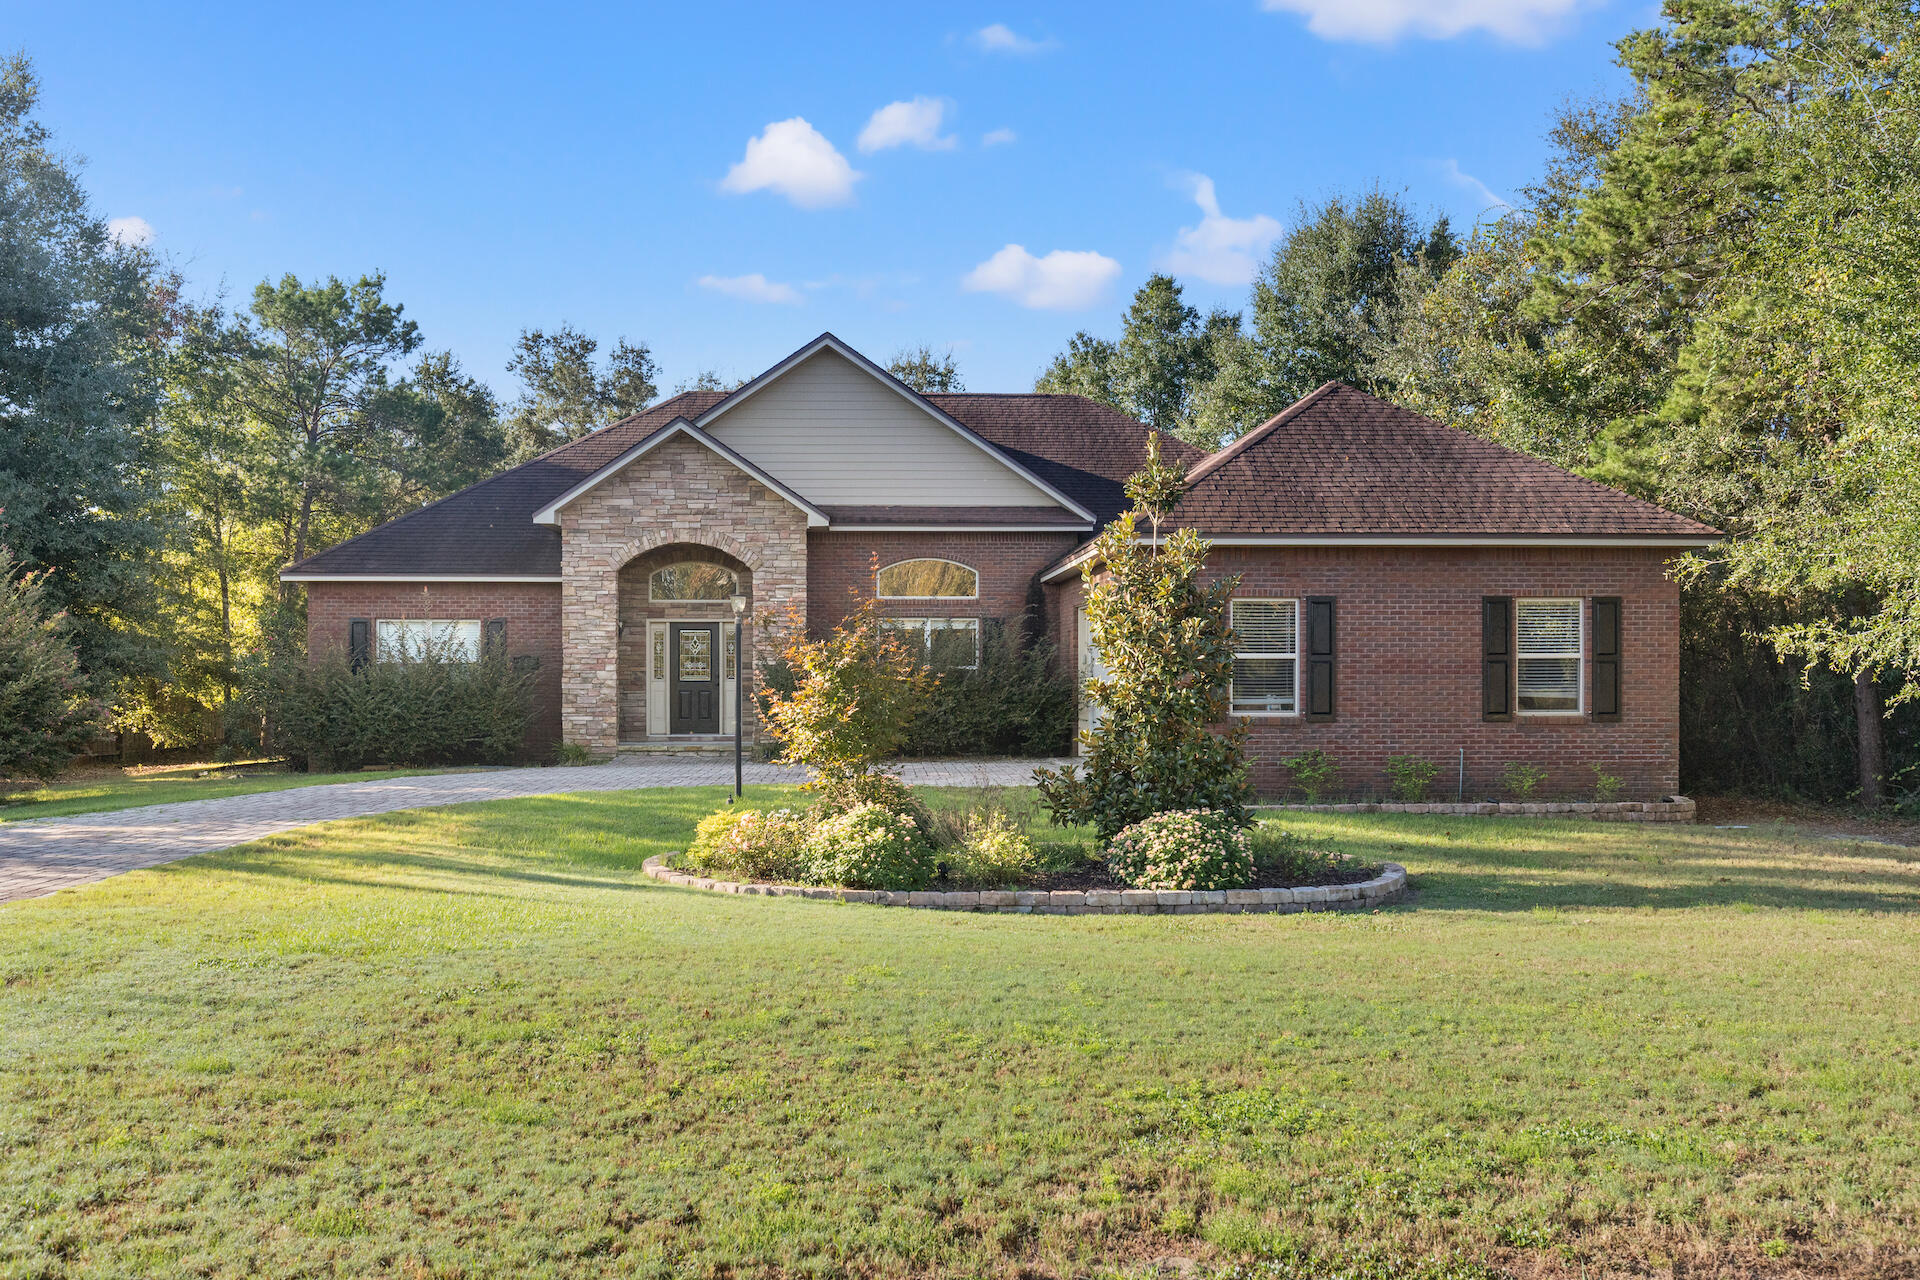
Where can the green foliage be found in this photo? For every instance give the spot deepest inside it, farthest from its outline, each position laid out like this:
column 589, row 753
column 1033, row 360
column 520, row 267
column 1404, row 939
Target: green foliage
column 1409, row 777
column 566, row 393
column 925, row 369
column 571, row 753
column 1183, row 849
column 1521, row 779
column 1168, row 653
column 1315, row 774
column 1606, row 786
column 834, row 796
column 82, row 317
column 992, row 851
column 752, row 845
column 870, row 847
column 425, row 709
column 855, row 695
column 1014, row 703
column 47, row 711
column 1165, row 356
column 1284, row 859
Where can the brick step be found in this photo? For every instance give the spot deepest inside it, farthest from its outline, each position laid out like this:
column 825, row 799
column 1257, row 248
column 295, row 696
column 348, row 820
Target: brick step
column 687, row 750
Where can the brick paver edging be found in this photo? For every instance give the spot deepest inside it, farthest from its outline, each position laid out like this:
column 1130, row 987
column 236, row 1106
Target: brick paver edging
column 1386, row 887
column 1672, row 809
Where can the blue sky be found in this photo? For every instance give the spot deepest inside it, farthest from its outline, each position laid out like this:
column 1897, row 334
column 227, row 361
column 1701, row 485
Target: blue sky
column 694, row 175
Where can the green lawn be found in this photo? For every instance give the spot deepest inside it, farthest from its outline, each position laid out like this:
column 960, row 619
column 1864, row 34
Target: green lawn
column 97, row 792
column 477, row 1042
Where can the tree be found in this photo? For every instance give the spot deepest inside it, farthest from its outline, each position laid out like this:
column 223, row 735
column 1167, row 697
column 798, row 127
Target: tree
column 855, row 695
column 46, row 710
column 925, row 370
column 1167, row 653
column 1165, row 356
column 313, row 375
column 1088, row 367
column 565, row 393
column 442, row 430
column 81, row 317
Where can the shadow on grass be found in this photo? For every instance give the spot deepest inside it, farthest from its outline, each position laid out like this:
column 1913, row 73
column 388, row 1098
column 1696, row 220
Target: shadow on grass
column 412, row 872
column 1495, row 890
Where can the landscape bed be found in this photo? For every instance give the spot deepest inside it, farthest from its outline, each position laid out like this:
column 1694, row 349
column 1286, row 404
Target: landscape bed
column 480, row 1041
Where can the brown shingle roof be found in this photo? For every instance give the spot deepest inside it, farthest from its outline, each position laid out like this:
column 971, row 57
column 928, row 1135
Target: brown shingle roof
column 1341, row 462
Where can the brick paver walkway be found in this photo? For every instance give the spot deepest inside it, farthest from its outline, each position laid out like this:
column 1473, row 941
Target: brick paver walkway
column 43, row 855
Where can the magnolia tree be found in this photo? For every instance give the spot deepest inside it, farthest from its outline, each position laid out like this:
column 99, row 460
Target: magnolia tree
column 46, row 710
column 854, row 695
column 1167, row 654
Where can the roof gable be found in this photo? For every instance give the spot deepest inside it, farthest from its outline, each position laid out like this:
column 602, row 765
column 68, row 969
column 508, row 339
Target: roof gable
column 550, row 513
column 842, row 431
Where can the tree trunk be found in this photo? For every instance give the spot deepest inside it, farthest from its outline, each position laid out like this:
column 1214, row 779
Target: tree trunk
column 1869, row 714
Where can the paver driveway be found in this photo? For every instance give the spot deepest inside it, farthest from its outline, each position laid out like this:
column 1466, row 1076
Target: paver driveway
column 39, row 856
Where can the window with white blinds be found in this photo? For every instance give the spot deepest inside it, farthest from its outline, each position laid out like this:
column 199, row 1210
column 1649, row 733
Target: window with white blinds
column 1548, row 655
column 945, row 644
column 1266, row 657
column 412, row 639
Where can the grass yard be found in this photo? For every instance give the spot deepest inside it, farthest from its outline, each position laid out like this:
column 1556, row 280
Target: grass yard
column 98, row 790
column 477, row 1042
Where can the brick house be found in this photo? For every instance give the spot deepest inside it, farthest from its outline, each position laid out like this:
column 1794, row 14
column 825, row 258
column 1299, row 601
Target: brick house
column 1404, row 587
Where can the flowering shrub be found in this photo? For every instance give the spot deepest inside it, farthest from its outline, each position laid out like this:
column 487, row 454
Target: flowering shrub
column 1185, row 849
column 991, row 851
column 870, row 847
column 747, row 844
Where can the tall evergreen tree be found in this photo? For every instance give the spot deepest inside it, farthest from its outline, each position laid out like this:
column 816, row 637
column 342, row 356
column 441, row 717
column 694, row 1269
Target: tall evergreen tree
column 566, row 393
column 925, row 369
column 82, row 318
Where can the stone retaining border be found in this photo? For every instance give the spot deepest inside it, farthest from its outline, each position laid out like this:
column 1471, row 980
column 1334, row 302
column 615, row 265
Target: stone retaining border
column 1672, row 809
column 1386, row 887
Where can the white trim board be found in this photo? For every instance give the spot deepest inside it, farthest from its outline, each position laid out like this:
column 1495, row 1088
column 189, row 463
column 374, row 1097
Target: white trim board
column 959, row 528
column 419, row 577
column 828, row 342
column 1678, row 543
column 550, row 514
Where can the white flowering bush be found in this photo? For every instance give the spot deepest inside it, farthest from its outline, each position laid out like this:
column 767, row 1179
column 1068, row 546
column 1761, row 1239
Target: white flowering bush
column 1185, row 849
column 870, row 847
column 748, row 844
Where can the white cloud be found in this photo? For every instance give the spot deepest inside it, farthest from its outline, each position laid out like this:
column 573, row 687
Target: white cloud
column 998, row 138
column 901, row 124
column 1521, row 21
column 130, row 230
column 1488, row 200
column 1064, row 280
column 751, row 288
column 998, row 38
column 791, row 157
column 1221, row 250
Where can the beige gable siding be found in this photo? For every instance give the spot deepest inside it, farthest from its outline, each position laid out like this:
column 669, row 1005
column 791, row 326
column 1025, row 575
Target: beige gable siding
column 837, row 436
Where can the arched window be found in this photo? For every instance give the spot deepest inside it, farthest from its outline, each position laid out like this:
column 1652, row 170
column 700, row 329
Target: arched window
column 691, row 582
column 927, row 580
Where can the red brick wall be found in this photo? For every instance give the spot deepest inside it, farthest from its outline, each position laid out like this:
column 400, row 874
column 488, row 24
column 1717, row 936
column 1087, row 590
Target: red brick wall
column 840, row 569
column 1407, row 671
column 532, row 611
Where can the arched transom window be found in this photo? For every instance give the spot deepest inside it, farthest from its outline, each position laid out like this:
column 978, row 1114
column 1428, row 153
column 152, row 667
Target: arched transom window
column 691, row 581
column 928, row 580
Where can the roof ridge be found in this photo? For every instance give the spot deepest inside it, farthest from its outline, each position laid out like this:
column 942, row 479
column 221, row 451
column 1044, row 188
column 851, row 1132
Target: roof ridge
column 1213, row 460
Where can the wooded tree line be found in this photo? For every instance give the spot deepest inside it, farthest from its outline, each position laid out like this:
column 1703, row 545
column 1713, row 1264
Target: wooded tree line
column 1710, row 298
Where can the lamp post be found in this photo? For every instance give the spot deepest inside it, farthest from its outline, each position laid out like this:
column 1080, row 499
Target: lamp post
column 739, row 604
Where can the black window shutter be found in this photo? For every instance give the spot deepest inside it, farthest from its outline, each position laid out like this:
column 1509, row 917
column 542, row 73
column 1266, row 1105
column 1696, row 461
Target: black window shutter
column 1496, row 657
column 493, row 639
column 359, row 642
column 1606, row 657
column 1320, row 642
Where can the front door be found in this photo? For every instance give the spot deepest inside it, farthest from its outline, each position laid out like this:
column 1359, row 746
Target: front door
column 695, row 692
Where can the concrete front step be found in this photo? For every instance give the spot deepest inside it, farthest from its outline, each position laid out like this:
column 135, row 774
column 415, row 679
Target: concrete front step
column 670, row 749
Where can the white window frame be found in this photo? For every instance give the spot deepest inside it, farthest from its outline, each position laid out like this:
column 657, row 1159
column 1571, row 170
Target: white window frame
column 973, row 595
column 925, row 627
column 1578, row 654
column 1266, row 713
column 705, row 564
column 447, row 625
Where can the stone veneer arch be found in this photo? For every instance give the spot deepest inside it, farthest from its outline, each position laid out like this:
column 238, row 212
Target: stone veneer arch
column 679, row 492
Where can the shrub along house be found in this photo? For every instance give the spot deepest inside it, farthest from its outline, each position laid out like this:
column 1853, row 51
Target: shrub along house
column 1406, row 588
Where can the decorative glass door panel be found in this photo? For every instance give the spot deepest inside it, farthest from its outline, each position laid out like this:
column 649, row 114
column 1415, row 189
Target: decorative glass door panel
column 695, row 692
